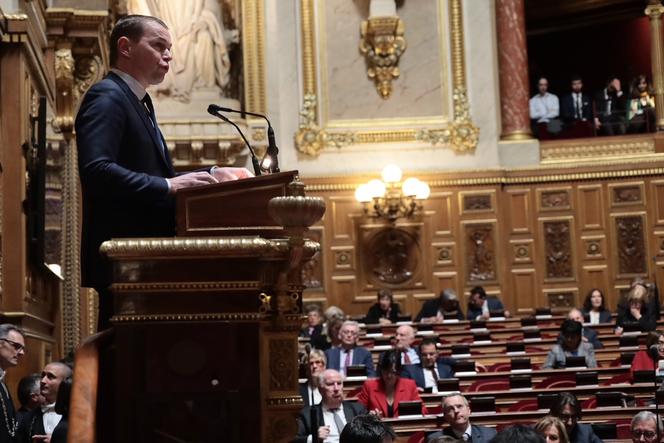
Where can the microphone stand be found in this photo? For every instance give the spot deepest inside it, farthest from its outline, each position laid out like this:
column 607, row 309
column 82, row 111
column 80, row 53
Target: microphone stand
column 254, row 160
column 313, row 417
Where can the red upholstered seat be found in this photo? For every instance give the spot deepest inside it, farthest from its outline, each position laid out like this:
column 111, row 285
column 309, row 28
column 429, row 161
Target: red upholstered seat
column 489, row 385
column 566, row 380
column 500, row 367
column 417, row 437
column 616, row 379
column 529, row 404
column 590, row 403
column 624, row 429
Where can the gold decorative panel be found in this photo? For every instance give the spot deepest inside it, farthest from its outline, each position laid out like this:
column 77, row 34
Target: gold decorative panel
column 524, row 289
column 554, row 199
column 519, row 209
column 440, row 203
column 658, row 199
column 391, row 257
column 626, row 194
column 341, row 210
column 522, row 251
column 443, row 254
column 561, row 299
column 558, row 254
column 474, row 202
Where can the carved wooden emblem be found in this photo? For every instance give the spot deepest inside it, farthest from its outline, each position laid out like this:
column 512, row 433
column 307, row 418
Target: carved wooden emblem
column 558, row 247
column 283, row 365
column 477, row 202
column 631, row 245
column 626, row 194
column 393, row 256
column 558, row 199
column 561, row 300
column 480, row 247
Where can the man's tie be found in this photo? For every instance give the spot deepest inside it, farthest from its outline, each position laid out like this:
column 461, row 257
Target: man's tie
column 466, row 436
column 147, row 104
column 347, row 362
column 406, row 358
column 338, row 421
column 435, row 373
column 579, row 113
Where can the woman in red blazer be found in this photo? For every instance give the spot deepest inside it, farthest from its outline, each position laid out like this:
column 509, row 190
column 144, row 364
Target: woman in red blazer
column 643, row 360
column 381, row 396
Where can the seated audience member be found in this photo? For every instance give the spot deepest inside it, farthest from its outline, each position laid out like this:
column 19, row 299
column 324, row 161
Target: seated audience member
column 594, row 308
column 445, row 307
column 589, row 335
column 315, row 367
column 611, row 108
column 552, row 429
column 518, row 434
column 334, row 313
column 62, row 408
column 431, row 367
column 571, row 345
column 404, row 339
column 329, row 337
column 641, row 107
column 349, row 353
column 314, row 326
column 480, row 306
column 38, row 424
column 29, row 395
column 385, row 311
column 646, row 359
column 381, row 396
column 367, row 429
column 567, row 408
column 456, row 413
column 576, row 106
column 331, row 415
column 644, row 427
column 544, row 106
column 639, row 306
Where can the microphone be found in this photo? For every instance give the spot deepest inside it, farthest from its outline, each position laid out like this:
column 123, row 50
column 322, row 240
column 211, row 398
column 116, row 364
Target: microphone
column 272, row 149
column 213, row 110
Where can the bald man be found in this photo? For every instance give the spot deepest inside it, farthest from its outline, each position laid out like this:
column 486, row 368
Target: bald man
column 404, row 339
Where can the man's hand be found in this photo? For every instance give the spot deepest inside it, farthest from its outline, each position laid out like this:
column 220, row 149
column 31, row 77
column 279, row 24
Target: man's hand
column 323, row 432
column 230, row 174
column 377, row 412
column 190, row 180
column 45, row 438
column 384, row 321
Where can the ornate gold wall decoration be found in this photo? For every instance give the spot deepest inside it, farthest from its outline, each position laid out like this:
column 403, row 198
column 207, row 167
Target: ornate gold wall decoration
column 558, row 249
column 631, row 245
column 314, row 135
column 382, row 43
column 283, row 365
column 480, row 247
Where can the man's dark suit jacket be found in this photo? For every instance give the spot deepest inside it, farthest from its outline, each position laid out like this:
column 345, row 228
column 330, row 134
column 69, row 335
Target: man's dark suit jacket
column 375, row 313
column 32, row 424
column 361, row 356
column 351, row 410
column 416, row 372
column 304, row 393
column 583, row 433
column 494, row 305
column 568, row 110
column 478, row 434
column 11, row 414
column 430, row 309
column 123, row 169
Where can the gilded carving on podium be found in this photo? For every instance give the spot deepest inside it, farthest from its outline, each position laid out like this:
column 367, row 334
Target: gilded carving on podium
column 283, row 364
column 399, row 97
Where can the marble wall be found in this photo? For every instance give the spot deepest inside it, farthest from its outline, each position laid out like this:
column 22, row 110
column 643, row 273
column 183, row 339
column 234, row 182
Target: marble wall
column 423, row 89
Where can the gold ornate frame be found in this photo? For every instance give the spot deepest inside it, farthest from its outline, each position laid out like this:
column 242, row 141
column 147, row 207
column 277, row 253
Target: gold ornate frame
column 460, row 134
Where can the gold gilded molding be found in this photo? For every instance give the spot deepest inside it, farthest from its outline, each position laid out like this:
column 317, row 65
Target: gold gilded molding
column 382, row 43
column 185, row 286
column 601, row 149
column 253, row 54
column 460, row 134
column 208, row 316
column 288, row 400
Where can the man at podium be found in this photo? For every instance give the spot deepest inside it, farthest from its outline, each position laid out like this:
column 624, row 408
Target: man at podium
column 126, row 172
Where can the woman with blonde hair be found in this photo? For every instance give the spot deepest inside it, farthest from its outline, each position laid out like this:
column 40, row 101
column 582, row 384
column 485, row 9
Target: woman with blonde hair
column 552, row 429
column 639, row 306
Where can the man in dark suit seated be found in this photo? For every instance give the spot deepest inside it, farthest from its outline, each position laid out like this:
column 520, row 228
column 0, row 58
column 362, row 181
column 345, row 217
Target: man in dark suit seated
column 126, row 172
column 38, row 424
column 331, row 415
column 445, row 307
column 589, row 334
column 480, row 306
column 349, row 353
column 611, row 108
column 404, row 339
column 430, row 368
column 644, row 427
column 456, row 412
column 567, row 408
column 576, row 111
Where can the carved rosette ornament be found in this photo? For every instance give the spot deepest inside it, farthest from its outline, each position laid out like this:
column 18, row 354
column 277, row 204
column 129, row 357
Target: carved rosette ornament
column 383, row 44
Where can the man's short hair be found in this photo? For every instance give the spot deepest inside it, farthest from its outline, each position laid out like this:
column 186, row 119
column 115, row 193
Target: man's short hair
column 385, row 293
column 313, row 308
column 576, row 77
column 479, row 291
column 323, row 374
column 27, row 386
column 647, row 416
column 448, row 295
column 317, row 353
column 565, row 399
column 428, row 342
column 571, row 327
column 366, row 429
column 132, row 27
column 518, row 434
column 6, row 328
column 351, row 323
column 455, row 394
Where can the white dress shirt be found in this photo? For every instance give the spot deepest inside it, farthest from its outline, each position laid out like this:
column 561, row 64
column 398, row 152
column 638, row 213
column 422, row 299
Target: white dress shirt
column 544, row 107
column 328, row 420
column 50, row 418
column 412, row 356
column 316, row 393
column 594, row 317
column 429, row 381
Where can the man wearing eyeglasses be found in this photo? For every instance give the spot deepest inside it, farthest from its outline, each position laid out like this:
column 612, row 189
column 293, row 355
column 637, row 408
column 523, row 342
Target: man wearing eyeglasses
column 349, row 353
column 644, row 427
column 12, row 348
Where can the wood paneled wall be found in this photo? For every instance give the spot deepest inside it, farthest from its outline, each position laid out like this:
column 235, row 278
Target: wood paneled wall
column 539, row 237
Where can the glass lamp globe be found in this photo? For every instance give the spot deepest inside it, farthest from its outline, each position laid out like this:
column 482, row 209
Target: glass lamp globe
column 362, row 194
column 410, row 186
column 423, row 191
column 391, row 174
column 376, row 188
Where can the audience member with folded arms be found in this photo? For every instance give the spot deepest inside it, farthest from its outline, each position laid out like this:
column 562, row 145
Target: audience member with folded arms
column 480, row 306
column 518, row 434
column 456, row 413
column 646, row 359
column 544, row 106
column 381, row 396
column 431, row 367
column 315, row 366
column 641, row 306
column 594, row 308
column 571, row 345
column 552, row 429
column 349, row 353
column 385, row 311
column 445, row 307
column 331, row 414
column 644, row 427
column 567, row 408
column 367, row 429
column 403, row 342
column 588, row 335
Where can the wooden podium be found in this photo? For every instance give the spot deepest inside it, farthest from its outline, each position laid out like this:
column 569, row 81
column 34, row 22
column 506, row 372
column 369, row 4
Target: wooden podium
column 204, row 345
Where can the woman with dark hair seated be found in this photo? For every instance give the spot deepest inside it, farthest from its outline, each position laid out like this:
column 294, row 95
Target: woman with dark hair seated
column 646, row 359
column 567, row 408
column 62, row 407
column 594, row 309
column 381, row 396
column 385, row 311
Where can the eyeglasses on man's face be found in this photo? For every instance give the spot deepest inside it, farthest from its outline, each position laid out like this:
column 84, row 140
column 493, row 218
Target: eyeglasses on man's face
column 17, row 346
column 648, row 435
